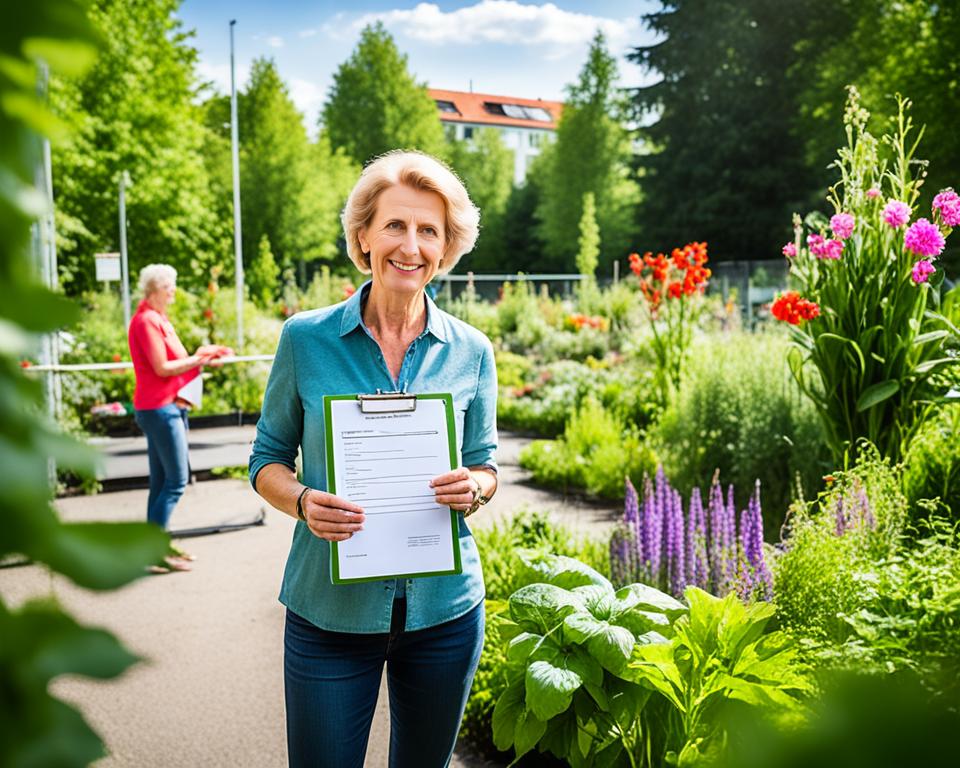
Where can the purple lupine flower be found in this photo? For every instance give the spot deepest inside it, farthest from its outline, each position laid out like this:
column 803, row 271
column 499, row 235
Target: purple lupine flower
column 631, row 521
column 650, row 532
column 656, row 524
column 698, row 572
column 677, row 572
column 751, row 532
column 839, row 514
column 619, row 555
column 729, row 548
column 717, row 515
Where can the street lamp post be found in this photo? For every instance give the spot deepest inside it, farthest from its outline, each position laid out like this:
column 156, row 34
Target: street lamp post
column 235, row 142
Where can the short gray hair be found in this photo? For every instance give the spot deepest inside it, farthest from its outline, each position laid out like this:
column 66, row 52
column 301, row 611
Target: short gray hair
column 155, row 276
column 418, row 171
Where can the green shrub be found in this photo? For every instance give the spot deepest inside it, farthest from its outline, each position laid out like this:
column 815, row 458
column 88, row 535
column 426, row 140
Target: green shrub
column 596, row 451
column 739, row 411
column 504, row 572
column 828, row 568
column 932, row 464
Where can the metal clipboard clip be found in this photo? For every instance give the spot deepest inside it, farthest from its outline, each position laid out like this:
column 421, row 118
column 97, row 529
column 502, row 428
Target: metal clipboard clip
column 387, row 402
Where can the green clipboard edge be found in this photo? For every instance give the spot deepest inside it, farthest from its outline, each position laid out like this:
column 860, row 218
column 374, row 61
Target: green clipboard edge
column 332, row 488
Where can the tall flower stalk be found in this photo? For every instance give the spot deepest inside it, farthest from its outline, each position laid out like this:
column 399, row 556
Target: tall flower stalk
column 672, row 288
column 871, row 348
column 660, row 545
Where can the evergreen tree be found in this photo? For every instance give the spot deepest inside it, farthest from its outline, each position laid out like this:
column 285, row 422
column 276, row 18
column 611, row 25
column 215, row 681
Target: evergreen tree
column 375, row 105
column 728, row 165
column 263, row 275
column 134, row 111
column 587, row 254
column 486, row 167
column 592, row 154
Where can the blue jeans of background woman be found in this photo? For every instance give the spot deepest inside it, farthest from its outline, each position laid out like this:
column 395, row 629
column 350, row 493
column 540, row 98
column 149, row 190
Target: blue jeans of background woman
column 332, row 680
column 167, row 450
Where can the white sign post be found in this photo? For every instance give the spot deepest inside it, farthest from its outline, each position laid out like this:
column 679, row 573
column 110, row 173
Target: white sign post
column 108, row 266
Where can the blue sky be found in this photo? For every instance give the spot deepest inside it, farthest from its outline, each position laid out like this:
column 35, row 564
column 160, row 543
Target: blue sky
column 508, row 47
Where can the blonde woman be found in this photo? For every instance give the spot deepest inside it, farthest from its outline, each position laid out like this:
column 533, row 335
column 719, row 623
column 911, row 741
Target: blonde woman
column 408, row 219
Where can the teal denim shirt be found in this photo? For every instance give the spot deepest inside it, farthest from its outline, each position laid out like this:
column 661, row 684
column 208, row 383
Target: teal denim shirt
column 330, row 352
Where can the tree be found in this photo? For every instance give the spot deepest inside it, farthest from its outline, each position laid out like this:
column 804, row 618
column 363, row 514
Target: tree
column 727, row 165
column 589, row 250
column 485, row 166
column 134, row 111
column 375, row 105
column 592, row 154
column 885, row 47
column 263, row 275
column 292, row 190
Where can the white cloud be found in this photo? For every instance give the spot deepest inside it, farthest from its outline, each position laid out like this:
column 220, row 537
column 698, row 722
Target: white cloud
column 307, row 32
column 306, row 95
column 219, row 75
column 507, row 22
column 275, row 41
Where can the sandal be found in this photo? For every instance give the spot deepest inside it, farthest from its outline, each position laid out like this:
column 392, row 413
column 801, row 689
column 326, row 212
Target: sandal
column 177, row 563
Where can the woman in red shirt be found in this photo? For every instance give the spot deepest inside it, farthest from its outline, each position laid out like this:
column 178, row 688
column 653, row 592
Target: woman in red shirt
column 162, row 367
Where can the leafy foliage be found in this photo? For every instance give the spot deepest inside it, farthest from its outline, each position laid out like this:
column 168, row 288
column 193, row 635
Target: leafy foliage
column 567, row 690
column 591, row 155
column 40, row 642
column 375, row 105
column 720, row 653
column 932, row 464
column 134, row 111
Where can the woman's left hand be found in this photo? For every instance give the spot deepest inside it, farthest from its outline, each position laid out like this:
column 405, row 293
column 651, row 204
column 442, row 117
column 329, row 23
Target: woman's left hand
column 455, row 489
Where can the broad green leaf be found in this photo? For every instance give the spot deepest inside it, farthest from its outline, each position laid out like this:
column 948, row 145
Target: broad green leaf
column 562, row 571
column 654, row 666
column 549, row 688
column 522, row 646
column 757, row 694
column 66, row 740
column 930, row 365
column 609, row 756
column 648, row 599
column 540, row 607
column 581, row 626
column 741, row 626
column 528, row 731
column 561, row 735
column 38, row 309
column 581, row 662
column 506, row 714
column 923, row 338
column 58, row 645
column 627, row 701
column 598, row 599
column 103, row 555
column 876, row 394
column 612, row 647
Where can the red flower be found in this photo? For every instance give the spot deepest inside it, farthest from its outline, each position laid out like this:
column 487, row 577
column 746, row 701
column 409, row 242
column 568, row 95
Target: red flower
column 208, row 313
column 25, row 364
column 792, row 308
column 348, row 291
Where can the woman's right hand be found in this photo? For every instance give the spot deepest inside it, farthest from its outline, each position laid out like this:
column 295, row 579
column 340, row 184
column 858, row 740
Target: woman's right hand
column 330, row 517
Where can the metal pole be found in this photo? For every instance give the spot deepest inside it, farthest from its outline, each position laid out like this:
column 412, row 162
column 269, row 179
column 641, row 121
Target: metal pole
column 124, row 266
column 616, row 271
column 235, row 141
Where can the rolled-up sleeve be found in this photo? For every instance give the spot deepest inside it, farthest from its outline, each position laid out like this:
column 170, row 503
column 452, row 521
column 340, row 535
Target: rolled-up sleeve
column 480, row 420
column 280, row 428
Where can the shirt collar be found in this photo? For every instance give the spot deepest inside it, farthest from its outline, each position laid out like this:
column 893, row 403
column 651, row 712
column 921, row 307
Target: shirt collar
column 353, row 319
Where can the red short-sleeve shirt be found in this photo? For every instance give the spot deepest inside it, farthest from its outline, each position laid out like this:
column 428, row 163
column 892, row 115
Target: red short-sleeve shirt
column 153, row 391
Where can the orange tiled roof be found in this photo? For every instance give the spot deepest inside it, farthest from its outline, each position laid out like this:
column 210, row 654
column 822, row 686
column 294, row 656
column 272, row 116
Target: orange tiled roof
column 470, row 109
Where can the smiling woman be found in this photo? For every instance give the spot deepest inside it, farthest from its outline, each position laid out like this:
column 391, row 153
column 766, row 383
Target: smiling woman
column 407, row 219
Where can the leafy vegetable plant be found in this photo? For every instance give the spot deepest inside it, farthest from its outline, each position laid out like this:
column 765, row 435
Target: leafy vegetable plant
column 573, row 639
column 719, row 653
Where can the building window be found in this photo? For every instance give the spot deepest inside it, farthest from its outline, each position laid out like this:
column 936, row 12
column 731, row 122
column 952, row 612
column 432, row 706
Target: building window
column 518, row 112
column 535, row 139
column 447, row 106
column 468, row 132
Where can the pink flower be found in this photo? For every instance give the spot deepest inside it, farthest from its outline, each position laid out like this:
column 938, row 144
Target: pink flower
column 896, row 214
column 790, row 250
column 924, row 239
column 948, row 203
column 842, row 225
column 873, row 192
column 922, row 271
column 823, row 248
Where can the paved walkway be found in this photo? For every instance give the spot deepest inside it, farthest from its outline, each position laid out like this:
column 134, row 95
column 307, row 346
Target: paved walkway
column 209, row 691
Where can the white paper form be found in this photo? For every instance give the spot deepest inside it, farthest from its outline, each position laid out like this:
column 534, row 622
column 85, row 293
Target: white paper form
column 383, row 462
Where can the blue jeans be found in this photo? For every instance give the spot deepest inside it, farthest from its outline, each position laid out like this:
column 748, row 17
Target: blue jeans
column 167, row 450
column 332, row 680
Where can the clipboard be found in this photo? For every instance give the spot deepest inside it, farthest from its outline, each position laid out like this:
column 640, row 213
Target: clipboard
column 406, row 533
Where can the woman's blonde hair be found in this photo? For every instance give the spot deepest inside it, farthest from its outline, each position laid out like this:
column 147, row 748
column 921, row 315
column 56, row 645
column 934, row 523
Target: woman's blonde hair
column 155, row 276
column 418, row 171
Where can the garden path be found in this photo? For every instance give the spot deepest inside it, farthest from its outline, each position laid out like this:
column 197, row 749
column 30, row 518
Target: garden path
column 210, row 689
